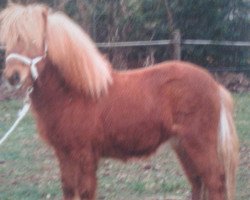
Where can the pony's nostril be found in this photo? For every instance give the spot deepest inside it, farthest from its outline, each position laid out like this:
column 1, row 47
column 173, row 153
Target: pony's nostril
column 14, row 79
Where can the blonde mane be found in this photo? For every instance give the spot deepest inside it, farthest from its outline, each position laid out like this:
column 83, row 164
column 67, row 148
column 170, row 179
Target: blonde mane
column 22, row 25
column 76, row 55
column 70, row 49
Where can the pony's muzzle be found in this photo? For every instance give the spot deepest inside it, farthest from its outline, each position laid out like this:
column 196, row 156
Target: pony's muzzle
column 14, row 79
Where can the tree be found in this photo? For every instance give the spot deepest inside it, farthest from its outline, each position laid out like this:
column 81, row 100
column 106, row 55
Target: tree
column 132, row 20
column 213, row 20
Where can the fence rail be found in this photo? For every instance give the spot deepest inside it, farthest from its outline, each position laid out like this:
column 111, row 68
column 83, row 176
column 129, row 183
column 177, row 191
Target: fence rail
column 168, row 42
column 182, row 42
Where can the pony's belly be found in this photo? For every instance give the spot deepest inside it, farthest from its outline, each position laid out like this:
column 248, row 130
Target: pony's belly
column 138, row 142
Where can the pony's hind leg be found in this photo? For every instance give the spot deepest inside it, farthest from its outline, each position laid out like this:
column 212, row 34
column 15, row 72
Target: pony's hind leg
column 203, row 168
column 189, row 169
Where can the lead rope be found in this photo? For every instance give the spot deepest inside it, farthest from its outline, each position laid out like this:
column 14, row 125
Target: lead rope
column 21, row 114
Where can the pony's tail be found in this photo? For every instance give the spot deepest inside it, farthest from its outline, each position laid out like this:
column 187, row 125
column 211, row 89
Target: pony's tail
column 228, row 143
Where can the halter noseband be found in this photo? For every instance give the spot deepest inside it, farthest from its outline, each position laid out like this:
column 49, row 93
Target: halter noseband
column 31, row 62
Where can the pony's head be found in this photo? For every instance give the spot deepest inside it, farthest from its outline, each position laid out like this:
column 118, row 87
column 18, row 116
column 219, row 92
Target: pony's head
column 28, row 30
column 23, row 32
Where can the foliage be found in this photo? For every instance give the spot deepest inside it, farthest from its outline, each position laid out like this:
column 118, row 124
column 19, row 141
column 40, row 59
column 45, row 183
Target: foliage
column 131, row 20
column 213, row 20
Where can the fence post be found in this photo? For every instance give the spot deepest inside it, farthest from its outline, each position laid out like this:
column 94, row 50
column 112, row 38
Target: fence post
column 177, row 44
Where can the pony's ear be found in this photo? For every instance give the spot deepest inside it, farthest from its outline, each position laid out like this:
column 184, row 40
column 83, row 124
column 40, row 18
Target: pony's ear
column 45, row 11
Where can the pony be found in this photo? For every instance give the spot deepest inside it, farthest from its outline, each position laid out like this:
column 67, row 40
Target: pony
column 86, row 110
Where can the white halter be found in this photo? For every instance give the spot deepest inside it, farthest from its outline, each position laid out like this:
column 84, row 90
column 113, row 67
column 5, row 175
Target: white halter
column 31, row 62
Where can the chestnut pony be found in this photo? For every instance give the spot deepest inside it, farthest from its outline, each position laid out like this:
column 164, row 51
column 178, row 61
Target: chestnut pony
column 86, row 110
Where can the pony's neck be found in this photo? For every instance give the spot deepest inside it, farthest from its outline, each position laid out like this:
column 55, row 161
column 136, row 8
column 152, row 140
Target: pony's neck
column 76, row 56
column 49, row 86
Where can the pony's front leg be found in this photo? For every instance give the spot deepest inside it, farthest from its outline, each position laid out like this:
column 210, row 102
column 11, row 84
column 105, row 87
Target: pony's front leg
column 87, row 181
column 68, row 169
column 78, row 175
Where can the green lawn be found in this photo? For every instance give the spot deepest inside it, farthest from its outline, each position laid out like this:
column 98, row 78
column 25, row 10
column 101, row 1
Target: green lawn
column 29, row 171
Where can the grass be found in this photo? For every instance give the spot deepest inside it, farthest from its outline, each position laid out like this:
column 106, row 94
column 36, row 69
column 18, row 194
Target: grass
column 29, row 171
column 243, row 127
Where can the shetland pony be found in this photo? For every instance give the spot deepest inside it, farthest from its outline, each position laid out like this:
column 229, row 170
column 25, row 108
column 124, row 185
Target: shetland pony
column 86, row 110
